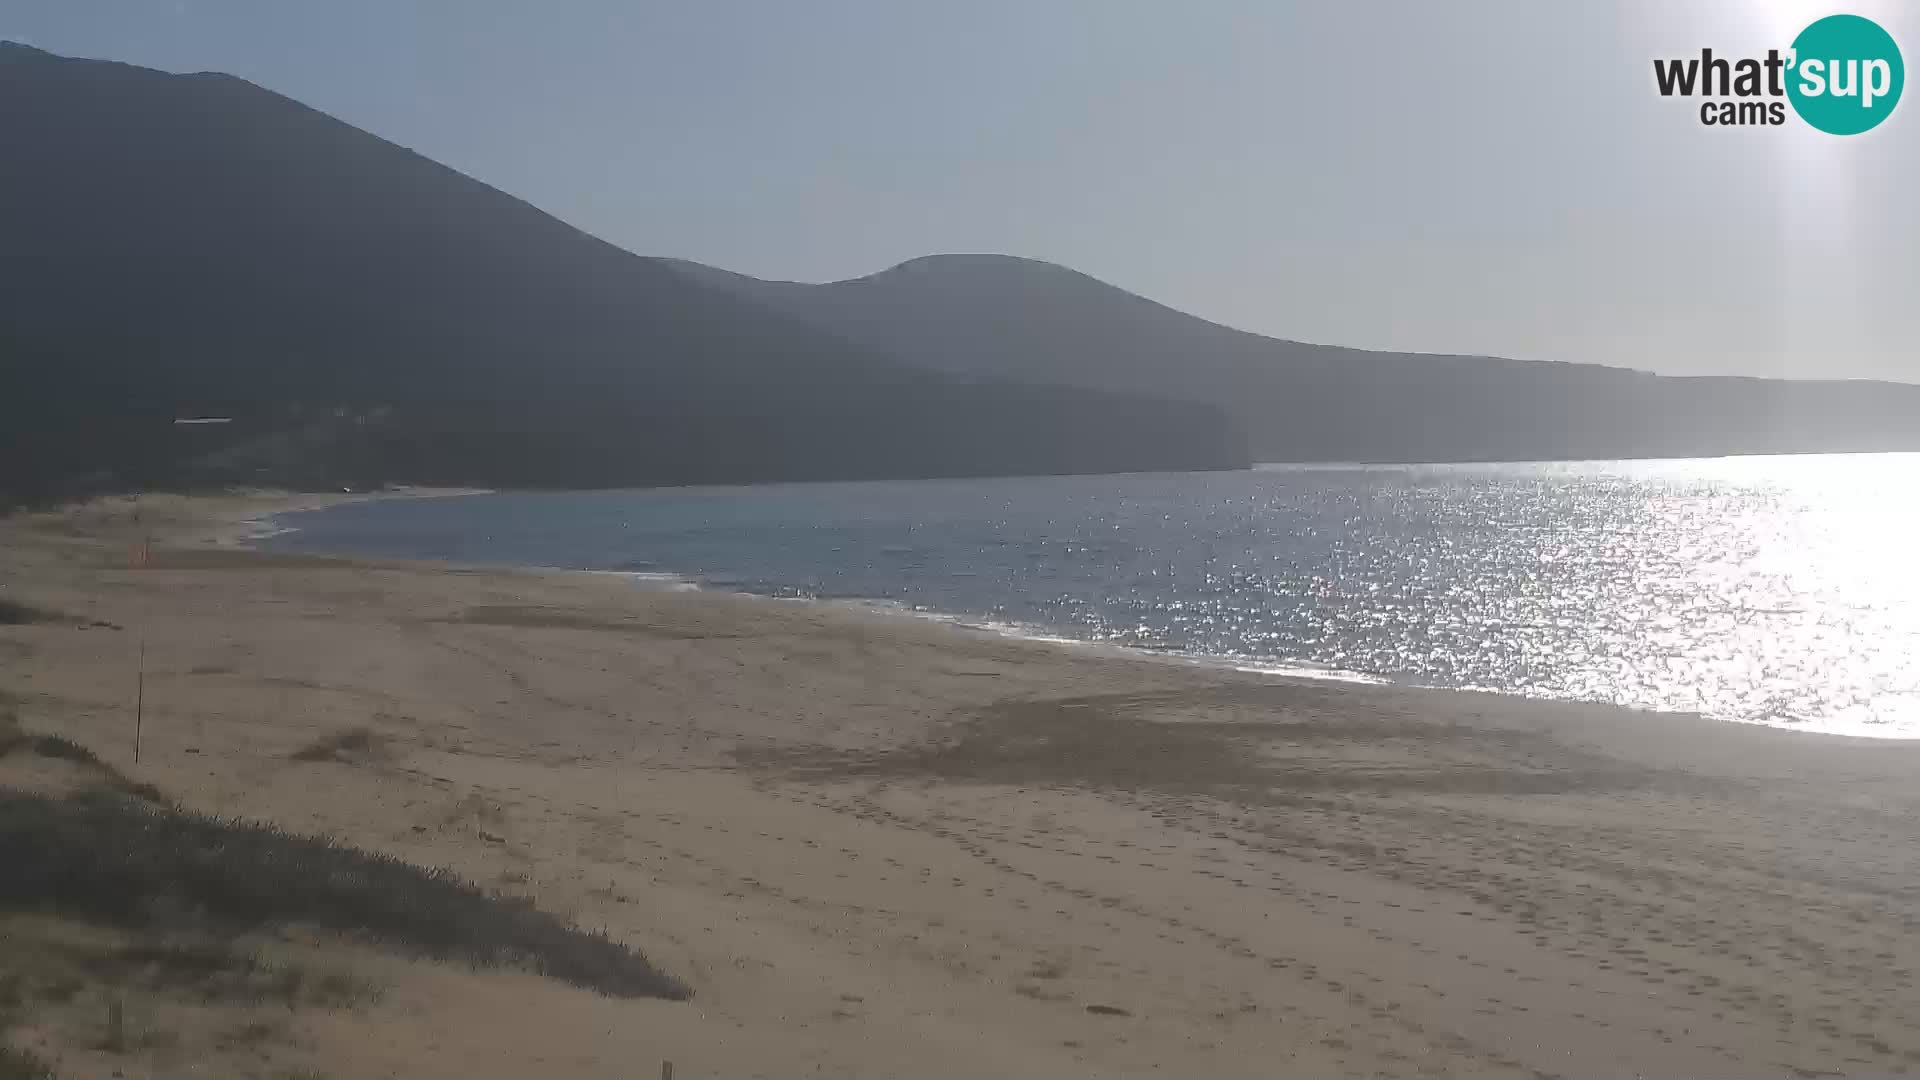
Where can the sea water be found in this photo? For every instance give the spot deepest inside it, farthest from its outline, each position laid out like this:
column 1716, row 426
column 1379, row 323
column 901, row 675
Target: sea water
column 1776, row 590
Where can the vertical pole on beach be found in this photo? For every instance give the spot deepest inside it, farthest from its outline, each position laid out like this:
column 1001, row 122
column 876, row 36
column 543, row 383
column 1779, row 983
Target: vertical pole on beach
column 116, row 1024
column 140, row 698
column 666, row 1070
column 142, row 558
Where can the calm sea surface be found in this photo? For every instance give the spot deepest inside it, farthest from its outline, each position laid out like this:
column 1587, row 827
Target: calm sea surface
column 1773, row 590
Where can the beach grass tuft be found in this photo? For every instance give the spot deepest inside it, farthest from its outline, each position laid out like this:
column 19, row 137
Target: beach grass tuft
column 15, row 613
column 104, row 858
column 17, row 1064
column 60, row 748
column 348, row 745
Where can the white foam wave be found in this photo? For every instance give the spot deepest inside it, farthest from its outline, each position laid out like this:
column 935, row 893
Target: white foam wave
column 647, row 579
column 1027, row 632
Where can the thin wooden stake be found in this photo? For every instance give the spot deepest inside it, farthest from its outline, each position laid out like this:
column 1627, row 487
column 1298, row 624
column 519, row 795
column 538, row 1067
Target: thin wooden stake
column 140, row 699
column 116, row 1025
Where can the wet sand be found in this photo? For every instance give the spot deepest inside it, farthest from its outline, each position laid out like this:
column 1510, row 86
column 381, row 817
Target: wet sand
column 879, row 846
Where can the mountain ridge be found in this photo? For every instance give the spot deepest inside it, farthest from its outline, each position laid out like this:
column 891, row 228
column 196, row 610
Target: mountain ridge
column 985, row 259
column 190, row 244
column 1300, row 401
column 941, row 260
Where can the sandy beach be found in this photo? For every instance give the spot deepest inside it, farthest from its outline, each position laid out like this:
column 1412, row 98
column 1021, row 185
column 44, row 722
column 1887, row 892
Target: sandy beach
column 881, row 846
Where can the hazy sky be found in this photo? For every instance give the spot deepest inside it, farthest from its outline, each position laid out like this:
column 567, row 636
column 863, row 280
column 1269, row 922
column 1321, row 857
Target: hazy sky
column 1463, row 177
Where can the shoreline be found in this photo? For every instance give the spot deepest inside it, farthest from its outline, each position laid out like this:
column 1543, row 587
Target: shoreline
column 885, row 607
column 261, row 525
column 890, row 607
column 251, row 532
column 877, row 846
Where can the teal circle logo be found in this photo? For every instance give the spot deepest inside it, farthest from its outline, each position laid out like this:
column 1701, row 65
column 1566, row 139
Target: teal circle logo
column 1846, row 74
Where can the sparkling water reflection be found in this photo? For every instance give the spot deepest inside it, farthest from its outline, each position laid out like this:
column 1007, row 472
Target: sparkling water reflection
column 1774, row 590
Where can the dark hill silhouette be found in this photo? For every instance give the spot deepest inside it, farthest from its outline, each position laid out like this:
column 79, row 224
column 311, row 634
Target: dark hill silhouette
column 194, row 244
column 994, row 314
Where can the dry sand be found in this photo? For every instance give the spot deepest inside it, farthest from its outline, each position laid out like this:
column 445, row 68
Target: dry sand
column 877, row 846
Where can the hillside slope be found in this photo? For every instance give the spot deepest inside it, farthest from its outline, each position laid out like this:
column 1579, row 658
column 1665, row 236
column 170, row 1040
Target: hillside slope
column 194, row 244
column 994, row 314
